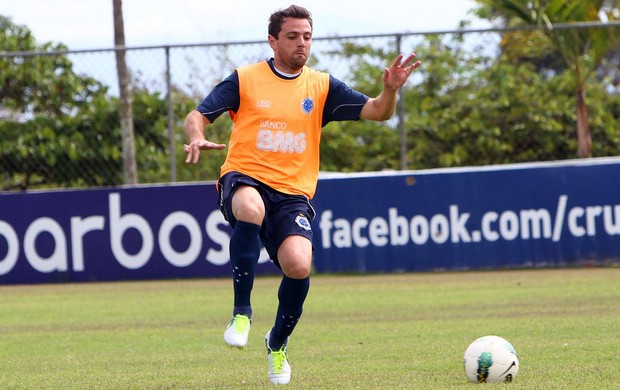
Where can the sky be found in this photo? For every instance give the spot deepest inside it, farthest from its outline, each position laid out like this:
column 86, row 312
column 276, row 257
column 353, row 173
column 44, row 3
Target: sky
column 88, row 24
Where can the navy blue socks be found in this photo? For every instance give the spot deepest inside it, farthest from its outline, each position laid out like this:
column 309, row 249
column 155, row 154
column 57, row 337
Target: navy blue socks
column 291, row 295
column 244, row 252
column 245, row 249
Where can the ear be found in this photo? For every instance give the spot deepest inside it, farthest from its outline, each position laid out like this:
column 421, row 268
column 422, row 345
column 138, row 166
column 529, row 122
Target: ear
column 272, row 41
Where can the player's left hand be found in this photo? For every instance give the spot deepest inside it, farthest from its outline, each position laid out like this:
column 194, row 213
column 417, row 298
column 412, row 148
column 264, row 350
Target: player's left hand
column 397, row 74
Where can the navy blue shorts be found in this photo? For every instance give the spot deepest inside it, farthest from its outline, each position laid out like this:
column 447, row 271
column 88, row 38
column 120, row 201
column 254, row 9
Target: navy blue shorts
column 285, row 214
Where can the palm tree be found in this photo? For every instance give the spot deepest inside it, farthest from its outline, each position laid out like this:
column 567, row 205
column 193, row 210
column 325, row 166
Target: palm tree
column 124, row 82
column 582, row 49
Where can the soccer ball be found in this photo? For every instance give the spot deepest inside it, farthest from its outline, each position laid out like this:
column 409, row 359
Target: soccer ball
column 491, row 359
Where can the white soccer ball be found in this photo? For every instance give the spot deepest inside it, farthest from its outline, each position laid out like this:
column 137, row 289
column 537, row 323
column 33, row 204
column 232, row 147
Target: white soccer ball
column 491, row 359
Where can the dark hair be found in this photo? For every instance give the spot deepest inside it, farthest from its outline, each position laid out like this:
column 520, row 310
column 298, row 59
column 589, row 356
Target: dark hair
column 277, row 18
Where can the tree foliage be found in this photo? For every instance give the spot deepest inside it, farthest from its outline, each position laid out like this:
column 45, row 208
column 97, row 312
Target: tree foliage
column 49, row 116
column 581, row 49
column 473, row 110
column 362, row 145
column 464, row 106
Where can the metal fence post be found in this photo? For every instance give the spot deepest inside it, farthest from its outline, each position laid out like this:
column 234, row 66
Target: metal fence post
column 172, row 157
column 400, row 110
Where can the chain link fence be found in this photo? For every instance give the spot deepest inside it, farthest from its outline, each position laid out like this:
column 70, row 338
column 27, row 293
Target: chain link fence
column 472, row 102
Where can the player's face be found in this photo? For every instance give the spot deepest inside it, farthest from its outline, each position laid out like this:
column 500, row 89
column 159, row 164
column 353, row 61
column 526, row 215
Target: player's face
column 292, row 48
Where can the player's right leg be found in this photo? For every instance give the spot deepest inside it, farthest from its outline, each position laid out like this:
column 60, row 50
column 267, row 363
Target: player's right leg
column 245, row 211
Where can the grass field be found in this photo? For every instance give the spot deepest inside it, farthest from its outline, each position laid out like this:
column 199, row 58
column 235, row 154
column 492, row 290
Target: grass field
column 405, row 331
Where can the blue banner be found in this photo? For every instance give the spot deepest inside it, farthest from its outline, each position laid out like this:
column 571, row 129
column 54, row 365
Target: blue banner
column 115, row 234
column 527, row 215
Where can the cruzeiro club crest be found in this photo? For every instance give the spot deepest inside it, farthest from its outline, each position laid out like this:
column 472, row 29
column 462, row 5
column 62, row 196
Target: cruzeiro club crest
column 307, row 105
column 302, row 221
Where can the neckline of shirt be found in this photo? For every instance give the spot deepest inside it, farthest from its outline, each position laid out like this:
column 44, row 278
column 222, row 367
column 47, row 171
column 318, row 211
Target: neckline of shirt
column 280, row 73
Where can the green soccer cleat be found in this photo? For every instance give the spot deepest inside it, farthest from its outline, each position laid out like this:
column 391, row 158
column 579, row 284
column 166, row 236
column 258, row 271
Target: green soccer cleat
column 279, row 370
column 236, row 334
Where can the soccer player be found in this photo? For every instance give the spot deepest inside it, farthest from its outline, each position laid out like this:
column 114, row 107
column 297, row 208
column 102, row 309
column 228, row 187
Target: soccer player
column 278, row 108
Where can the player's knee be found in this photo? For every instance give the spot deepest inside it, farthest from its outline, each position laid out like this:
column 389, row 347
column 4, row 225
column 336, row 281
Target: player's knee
column 248, row 206
column 297, row 270
column 252, row 213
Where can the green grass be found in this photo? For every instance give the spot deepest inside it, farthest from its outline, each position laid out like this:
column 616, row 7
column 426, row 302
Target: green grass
column 405, row 331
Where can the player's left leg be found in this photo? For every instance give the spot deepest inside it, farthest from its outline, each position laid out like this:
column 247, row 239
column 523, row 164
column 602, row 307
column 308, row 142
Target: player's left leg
column 295, row 258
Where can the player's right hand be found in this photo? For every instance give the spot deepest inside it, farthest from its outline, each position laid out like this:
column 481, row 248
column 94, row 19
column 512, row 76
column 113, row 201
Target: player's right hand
column 193, row 149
